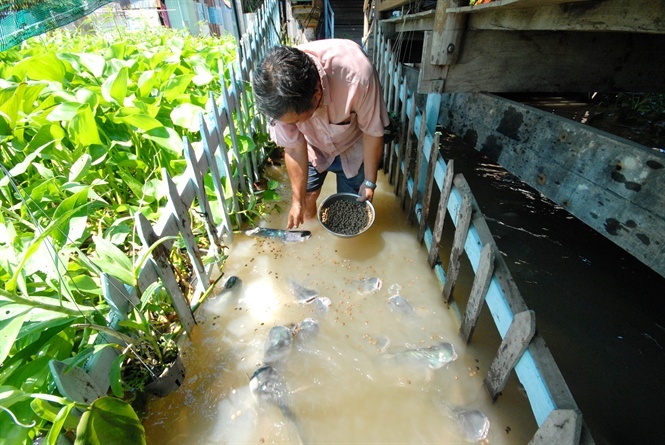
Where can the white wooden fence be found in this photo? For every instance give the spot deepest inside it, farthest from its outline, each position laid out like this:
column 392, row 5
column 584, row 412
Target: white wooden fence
column 232, row 173
column 522, row 349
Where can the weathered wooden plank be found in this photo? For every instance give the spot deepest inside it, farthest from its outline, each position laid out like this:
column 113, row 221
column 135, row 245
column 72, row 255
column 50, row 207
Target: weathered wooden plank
column 408, row 150
column 447, row 33
column 209, row 150
column 481, row 282
column 398, row 83
column 461, row 232
column 429, row 186
column 503, row 5
column 437, row 231
column 431, row 78
column 386, row 5
column 419, row 22
column 160, row 262
column 184, row 225
column 218, row 147
column 512, row 347
column 227, row 107
column 395, row 176
column 532, row 61
column 202, row 197
column 562, row 426
column 411, row 214
column 611, row 184
column 608, row 15
column 75, row 383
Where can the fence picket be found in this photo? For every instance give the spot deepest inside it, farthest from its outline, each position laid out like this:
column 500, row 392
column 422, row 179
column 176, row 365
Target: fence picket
column 437, row 231
column 512, row 347
column 160, row 263
column 429, row 185
column 463, row 222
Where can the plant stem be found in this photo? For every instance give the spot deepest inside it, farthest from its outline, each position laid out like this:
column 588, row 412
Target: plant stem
column 45, row 306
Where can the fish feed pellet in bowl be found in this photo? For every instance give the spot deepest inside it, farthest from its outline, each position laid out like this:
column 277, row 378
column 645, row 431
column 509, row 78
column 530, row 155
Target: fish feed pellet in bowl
column 343, row 215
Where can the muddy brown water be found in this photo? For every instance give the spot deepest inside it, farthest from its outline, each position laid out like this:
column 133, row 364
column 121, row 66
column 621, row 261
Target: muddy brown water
column 343, row 387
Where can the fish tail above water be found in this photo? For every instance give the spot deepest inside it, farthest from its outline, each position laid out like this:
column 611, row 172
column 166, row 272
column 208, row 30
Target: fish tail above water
column 287, row 236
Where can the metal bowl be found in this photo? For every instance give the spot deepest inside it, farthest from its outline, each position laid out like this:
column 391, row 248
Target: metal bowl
column 345, row 197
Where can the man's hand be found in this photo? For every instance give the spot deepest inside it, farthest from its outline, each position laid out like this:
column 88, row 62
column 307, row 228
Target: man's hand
column 366, row 193
column 296, row 216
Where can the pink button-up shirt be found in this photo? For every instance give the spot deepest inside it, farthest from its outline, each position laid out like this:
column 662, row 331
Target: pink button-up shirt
column 352, row 104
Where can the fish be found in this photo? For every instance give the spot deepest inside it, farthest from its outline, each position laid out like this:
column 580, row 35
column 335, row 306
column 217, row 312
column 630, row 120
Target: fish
column 369, row 285
column 268, row 386
column 278, row 344
column 397, row 303
column 322, row 304
column 472, row 424
column 306, row 330
column 286, row 236
column 434, row 357
column 302, row 294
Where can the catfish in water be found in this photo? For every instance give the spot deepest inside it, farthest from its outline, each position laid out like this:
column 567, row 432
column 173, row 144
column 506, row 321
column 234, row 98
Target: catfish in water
column 278, row 344
column 286, row 236
column 434, row 357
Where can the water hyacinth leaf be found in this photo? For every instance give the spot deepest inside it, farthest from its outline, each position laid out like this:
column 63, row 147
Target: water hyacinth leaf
column 141, row 121
column 86, row 284
column 80, row 167
column 4, row 125
column 9, row 330
column 110, row 420
column 146, row 83
column 245, row 144
column 74, row 206
column 63, row 419
column 113, row 261
column 64, row 112
column 186, row 115
column 87, row 96
column 45, row 67
column 83, row 128
column 176, row 86
column 10, row 286
column 203, row 75
column 21, row 167
column 165, row 137
column 94, row 63
column 47, row 411
column 115, row 378
column 114, row 88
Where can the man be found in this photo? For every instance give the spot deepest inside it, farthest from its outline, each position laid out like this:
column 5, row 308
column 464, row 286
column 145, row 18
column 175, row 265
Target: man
column 325, row 106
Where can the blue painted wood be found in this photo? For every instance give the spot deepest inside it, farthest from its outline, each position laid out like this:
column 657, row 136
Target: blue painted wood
column 540, row 398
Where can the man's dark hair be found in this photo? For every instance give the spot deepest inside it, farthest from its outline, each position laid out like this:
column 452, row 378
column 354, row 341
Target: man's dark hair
column 284, row 82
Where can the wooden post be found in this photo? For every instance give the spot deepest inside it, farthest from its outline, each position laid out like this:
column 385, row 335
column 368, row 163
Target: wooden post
column 429, row 185
column 210, row 145
column 204, row 203
column 448, row 31
column 481, row 282
column 403, row 185
column 512, row 347
column 562, row 426
column 160, row 262
column 394, row 179
column 461, row 231
column 184, row 226
column 437, row 232
column 416, row 173
column 397, row 111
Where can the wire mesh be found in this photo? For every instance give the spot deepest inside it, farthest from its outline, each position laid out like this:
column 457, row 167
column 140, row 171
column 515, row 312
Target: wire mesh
column 22, row 19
